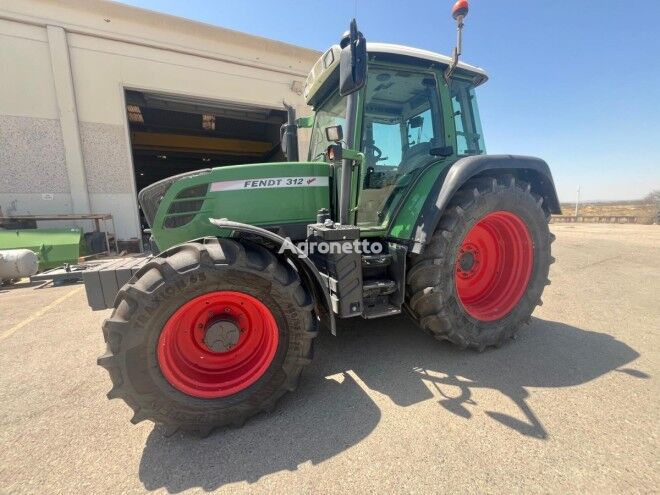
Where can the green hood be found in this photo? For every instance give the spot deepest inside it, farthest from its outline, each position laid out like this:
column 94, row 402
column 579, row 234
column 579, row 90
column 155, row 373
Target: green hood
column 279, row 196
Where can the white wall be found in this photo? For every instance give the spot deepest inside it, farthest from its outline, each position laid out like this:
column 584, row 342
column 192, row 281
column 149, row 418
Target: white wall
column 135, row 50
column 31, row 148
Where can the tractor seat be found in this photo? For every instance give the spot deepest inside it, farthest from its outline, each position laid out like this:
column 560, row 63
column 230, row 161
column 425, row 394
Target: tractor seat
column 415, row 156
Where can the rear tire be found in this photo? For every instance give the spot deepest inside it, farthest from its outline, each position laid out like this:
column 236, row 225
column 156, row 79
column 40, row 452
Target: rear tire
column 136, row 334
column 499, row 222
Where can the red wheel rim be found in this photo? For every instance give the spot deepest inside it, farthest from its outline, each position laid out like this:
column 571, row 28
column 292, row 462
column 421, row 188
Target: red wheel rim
column 494, row 265
column 217, row 344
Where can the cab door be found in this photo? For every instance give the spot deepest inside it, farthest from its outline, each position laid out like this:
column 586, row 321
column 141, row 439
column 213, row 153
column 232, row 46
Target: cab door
column 401, row 125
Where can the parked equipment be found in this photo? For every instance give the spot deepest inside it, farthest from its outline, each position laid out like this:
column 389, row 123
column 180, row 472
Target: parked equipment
column 17, row 263
column 398, row 208
column 54, row 247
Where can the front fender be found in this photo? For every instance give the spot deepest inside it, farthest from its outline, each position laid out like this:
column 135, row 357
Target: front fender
column 308, row 271
column 533, row 170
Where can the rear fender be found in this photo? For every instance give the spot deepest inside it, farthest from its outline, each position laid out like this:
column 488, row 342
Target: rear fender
column 532, row 170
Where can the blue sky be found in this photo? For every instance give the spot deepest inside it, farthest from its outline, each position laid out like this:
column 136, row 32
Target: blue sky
column 575, row 83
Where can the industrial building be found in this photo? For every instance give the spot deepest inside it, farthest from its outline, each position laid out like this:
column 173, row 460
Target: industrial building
column 99, row 99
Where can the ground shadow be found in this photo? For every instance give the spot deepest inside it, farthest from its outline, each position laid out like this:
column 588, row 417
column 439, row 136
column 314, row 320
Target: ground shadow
column 326, row 416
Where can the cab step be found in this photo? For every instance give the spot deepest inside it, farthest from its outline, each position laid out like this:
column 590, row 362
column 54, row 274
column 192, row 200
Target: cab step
column 376, row 260
column 379, row 287
column 380, row 311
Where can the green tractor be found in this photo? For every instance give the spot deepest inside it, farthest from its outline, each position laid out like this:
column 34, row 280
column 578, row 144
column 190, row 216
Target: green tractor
column 397, row 208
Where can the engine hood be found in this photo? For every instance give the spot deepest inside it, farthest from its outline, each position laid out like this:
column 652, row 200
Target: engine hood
column 277, row 196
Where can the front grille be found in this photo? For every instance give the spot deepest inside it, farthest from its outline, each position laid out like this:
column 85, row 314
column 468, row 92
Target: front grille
column 151, row 196
column 178, row 221
column 174, row 217
column 186, row 206
column 193, row 192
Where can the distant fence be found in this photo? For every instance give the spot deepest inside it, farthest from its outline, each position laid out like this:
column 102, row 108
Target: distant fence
column 594, row 219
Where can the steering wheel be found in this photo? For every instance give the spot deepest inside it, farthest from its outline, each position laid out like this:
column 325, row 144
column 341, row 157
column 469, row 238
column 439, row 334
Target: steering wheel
column 376, row 150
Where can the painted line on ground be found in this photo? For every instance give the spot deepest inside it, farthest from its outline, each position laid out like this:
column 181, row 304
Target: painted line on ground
column 36, row 315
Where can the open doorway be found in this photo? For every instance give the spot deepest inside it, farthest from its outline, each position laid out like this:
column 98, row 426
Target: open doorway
column 175, row 134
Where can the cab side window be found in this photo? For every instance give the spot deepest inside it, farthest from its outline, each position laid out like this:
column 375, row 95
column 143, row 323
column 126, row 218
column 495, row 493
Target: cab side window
column 469, row 138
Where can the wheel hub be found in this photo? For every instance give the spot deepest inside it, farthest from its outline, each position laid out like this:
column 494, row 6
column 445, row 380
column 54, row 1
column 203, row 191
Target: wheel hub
column 467, row 261
column 221, row 335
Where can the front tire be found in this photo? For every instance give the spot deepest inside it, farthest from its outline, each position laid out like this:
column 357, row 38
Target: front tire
column 484, row 271
column 208, row 335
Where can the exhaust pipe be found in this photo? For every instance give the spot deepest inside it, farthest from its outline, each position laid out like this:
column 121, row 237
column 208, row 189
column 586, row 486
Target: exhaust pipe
column 289, row 134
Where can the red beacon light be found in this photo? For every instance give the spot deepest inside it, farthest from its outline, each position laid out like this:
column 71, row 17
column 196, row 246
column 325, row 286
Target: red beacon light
column 460, row 9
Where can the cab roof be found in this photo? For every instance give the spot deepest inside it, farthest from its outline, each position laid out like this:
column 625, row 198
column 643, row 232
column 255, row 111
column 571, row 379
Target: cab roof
column 425, row 55
column 324, row 72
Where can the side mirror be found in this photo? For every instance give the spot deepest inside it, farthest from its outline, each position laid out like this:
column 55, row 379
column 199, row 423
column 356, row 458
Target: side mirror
column 352, row 61
column 416, row 122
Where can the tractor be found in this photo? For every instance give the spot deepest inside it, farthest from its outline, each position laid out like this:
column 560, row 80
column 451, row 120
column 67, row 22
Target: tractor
column 397, row 208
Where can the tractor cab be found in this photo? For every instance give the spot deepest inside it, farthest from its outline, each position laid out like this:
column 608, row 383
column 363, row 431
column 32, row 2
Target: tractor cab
column 409, row 118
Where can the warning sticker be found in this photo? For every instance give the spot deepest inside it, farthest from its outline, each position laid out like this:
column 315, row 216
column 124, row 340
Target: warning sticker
column 270, row 183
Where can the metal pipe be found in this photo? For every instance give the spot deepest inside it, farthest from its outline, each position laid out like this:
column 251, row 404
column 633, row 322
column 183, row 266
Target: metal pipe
column 347, row 164
column 289, row 133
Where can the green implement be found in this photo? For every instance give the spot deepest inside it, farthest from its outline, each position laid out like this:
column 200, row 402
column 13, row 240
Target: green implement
column 54, row 247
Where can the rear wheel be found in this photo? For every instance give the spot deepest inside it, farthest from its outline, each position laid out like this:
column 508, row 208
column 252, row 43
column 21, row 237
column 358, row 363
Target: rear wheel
column 209, row 335
column 487, row 264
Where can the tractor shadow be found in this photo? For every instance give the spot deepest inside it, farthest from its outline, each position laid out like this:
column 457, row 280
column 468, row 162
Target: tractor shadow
column 326, row 416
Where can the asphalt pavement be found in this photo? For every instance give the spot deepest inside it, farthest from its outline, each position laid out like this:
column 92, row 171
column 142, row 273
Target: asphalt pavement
column 570, row 406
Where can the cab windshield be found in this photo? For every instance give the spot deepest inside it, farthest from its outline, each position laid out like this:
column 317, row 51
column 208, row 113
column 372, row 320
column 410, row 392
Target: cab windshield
column 332, row 112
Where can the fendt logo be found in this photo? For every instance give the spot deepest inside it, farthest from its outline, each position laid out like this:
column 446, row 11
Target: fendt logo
column 269, row 183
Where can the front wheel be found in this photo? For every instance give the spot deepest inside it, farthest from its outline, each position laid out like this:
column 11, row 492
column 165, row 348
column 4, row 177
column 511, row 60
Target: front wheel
column 486, row 267
column 208, row 335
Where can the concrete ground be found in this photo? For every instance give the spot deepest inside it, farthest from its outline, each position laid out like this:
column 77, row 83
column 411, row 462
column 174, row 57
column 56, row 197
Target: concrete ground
column 570, row 406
